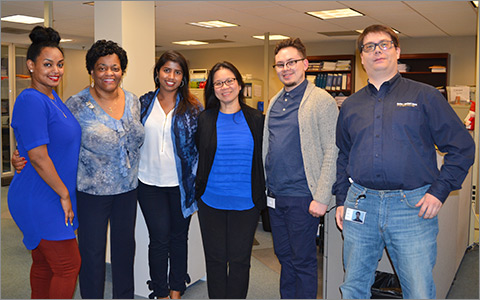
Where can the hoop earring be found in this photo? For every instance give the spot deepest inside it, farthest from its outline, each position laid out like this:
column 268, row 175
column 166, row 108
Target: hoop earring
column 157, row 82
column 182, row 84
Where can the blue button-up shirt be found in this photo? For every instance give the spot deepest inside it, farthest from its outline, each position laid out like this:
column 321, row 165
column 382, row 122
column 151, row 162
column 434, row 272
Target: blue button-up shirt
column 387, row 137
column 284, row 162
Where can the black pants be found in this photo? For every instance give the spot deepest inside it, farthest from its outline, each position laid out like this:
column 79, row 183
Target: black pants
column 168, row 232
column 227, row 237
column 93, row 213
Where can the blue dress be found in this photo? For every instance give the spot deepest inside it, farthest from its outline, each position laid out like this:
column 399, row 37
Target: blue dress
column 38, row 120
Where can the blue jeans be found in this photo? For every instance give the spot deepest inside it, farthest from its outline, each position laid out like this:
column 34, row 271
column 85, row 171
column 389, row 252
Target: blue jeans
column 391, row 221
column 294, row 232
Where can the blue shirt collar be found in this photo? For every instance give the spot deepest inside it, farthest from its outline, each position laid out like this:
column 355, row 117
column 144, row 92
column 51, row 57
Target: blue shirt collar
column 298, row 91
column 386, row 87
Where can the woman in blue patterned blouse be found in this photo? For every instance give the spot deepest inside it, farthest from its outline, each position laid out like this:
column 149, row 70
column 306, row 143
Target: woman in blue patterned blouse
column 107, row 171
column 168, row 163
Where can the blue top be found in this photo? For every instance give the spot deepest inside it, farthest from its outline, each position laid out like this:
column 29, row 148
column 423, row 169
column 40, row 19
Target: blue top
column 229, row 184
column 38, row 120
column 184, row 128
column 387, row 140
column 109, row 154
column 284, row 162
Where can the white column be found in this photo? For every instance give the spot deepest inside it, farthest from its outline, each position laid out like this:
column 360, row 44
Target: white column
column 132, row 25
column 266, row 71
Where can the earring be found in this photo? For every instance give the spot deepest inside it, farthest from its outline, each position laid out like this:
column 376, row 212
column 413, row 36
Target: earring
column 182, row 84
column 31, row 71
column 92, row 84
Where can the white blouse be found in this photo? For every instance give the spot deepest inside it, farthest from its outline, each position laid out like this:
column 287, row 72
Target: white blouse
column 157, row 157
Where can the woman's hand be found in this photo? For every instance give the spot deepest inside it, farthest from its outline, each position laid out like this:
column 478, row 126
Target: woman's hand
column 18, row 162
column 67, row 208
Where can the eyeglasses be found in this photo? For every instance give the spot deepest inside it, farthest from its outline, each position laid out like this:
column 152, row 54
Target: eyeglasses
column 228, row 82
column 289, row 64
column 370, row 47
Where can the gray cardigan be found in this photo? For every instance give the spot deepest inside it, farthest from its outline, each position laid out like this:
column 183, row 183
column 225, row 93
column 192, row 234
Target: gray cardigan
column 317, row 119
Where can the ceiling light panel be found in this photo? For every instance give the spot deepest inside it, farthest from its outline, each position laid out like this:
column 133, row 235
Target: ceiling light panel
column 335, row 13
column 190, row 43
column 272, row 37
column 22, row 19
column 213, row 24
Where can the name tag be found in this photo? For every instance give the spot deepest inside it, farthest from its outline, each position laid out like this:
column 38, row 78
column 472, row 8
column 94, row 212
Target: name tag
column 271, row 202
column 355, row 215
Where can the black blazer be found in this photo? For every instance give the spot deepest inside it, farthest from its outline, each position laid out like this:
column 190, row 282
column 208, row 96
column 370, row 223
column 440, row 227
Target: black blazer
column 206, row 139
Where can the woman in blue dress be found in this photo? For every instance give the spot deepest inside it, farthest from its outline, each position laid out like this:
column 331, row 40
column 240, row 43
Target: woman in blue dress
column 41, row 198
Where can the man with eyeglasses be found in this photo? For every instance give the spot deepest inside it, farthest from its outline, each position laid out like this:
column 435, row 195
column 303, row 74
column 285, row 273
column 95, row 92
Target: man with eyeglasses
column 299, row 154
column 387, row 169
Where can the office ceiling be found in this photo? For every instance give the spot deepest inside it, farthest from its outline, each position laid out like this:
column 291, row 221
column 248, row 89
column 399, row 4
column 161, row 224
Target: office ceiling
column 413, row 19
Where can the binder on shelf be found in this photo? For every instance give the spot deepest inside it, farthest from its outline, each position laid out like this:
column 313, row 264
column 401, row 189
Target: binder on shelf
column 329, row 82
column 349, row 81
column 344, row 82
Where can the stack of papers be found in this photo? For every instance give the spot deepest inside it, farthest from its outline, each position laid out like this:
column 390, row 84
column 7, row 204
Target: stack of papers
column 438, row 69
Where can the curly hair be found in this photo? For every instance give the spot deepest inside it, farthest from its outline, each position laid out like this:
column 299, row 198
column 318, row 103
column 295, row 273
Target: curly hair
column 42, row 37
column 103, row 48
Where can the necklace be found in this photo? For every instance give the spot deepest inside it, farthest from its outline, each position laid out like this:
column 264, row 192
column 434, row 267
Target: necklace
column 54, row 103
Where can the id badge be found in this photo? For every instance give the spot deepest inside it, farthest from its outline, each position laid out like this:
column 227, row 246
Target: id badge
column 355, row 215
column 271, row 202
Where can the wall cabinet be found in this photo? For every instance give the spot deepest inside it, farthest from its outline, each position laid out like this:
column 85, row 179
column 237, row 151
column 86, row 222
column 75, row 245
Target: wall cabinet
column 429, row 68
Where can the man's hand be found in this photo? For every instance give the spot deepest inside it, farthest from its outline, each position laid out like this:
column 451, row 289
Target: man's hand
column 317, row 209
column 339, row 217
column 18, row 162
column 430, row 206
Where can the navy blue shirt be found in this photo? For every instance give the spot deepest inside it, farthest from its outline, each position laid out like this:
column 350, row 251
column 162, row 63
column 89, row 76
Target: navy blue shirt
column 387, row 137
column 284, row 162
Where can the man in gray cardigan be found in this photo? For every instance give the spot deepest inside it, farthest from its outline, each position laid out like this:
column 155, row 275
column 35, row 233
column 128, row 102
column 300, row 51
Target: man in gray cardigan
column 299, row 153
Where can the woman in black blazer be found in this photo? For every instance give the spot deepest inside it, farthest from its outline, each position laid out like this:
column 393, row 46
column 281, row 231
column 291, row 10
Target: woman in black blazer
column 230, row 182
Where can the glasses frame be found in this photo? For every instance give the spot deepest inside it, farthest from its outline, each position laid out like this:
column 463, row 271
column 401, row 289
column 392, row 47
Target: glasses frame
column 391, row 44
column 290, row 63
column 219, row 84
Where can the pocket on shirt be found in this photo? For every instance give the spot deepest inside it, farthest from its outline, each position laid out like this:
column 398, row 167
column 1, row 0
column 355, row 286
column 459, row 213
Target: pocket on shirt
column 406, row 122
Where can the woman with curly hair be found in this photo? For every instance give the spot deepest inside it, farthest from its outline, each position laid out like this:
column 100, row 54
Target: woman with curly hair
column 107, row 172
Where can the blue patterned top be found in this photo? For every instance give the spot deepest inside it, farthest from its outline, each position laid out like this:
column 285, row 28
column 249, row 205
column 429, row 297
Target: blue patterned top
column 110, row 149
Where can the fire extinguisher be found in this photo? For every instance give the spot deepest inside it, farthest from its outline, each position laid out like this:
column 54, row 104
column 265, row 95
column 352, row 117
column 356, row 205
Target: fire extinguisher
column 470, row 118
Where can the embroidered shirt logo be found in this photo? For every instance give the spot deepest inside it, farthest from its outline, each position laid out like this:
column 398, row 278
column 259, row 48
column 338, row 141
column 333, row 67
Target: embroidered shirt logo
column 406, row 104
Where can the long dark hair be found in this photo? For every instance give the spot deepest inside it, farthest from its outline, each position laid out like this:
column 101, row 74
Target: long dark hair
column 42, row 37
column 187, row 100
column 210, row 99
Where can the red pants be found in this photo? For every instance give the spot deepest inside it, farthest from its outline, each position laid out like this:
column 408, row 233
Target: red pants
column 55, row 269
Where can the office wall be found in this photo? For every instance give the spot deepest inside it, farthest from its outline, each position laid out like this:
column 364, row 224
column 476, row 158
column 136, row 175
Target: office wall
column 249, row 60
column 76, row 77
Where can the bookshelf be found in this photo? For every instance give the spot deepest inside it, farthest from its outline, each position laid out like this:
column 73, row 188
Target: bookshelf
column 342, row 75
column 419, row 69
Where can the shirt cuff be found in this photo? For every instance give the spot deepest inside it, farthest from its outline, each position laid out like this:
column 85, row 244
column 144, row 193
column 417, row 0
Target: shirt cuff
column 340, row 199
column 439, row 190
